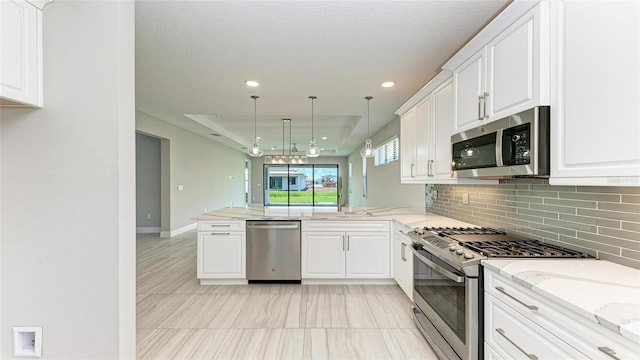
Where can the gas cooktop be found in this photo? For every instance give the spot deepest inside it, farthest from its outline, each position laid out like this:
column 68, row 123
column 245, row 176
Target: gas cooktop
column 465, row 246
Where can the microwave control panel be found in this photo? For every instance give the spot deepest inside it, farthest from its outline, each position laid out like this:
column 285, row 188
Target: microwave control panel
column 520, row 140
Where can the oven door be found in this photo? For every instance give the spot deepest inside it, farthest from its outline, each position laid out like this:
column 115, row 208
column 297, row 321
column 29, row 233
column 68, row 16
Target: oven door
column 448, row 300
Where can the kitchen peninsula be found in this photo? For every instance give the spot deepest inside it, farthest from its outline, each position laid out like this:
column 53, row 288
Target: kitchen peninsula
column 354, row 246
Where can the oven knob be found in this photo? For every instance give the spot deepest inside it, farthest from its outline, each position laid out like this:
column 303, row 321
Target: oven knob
column 515, row 138
column 468, row 255
column 459, row 251
column 453, row 247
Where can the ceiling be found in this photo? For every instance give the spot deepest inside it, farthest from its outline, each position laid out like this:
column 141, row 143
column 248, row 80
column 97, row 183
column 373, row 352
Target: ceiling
column 193, row 57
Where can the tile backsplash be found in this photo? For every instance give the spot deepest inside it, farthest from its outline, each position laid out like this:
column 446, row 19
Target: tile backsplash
column 599, row 220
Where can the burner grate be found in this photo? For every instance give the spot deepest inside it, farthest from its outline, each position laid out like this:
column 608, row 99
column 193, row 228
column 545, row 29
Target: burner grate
column 521, row 248
column 462, row 230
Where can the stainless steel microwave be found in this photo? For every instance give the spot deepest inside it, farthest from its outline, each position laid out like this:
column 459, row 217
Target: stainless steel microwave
column 514, row 146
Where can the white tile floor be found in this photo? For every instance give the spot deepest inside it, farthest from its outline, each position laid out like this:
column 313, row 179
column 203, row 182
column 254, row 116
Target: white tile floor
column 179, row 319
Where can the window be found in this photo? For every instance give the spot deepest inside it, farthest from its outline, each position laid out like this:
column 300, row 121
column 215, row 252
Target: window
column 301, row 185
column 386, row 152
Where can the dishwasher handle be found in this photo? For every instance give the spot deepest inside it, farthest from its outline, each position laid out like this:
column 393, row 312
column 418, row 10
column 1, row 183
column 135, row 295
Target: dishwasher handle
column 274, row 226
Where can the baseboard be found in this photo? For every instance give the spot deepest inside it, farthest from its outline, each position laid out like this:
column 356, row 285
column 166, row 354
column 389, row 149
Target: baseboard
column 223, row 282
column 348, row 282
column 184, row 229
column 148, row 230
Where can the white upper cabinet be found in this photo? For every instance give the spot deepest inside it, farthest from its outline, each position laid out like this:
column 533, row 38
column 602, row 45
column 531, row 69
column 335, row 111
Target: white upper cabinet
column 440, row 129
column 407, row 144
column 426, row 125
column 595, row 110
column 504, row 69
column 469, row 90
column 414, row 147
column 20, row 53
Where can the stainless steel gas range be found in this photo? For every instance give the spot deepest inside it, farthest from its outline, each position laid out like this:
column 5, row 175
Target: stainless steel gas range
column 448, row 284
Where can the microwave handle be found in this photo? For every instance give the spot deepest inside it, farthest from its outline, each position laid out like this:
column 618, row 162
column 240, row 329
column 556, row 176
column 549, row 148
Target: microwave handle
column 499, row 160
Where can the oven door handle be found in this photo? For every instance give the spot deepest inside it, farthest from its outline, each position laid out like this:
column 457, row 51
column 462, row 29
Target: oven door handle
column 440, row 269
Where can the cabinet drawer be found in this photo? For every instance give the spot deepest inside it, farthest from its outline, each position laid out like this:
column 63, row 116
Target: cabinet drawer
column 519, row 338
column 592, row 339
column 351, row 226
column 221, row 226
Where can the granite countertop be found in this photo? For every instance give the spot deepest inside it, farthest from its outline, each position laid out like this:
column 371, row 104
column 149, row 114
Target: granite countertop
column 601, row 291
column 405, row 216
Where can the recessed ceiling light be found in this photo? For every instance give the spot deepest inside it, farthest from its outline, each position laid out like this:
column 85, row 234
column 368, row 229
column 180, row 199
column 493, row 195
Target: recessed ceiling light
column 258, row 137
column 388, row 84
column 324, row 138
column 252, row 83
column 321, row 149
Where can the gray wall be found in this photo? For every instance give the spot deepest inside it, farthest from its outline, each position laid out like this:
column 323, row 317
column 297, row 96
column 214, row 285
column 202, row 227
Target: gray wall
column 256, row 196
column 68, row 190
column 603, row 221
column 383, row 181
column 147, row 181
column 212, row 175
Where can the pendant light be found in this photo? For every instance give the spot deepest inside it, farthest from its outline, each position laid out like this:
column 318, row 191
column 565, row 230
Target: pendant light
column 313, row 150
column 367, row 150
column 255, row 151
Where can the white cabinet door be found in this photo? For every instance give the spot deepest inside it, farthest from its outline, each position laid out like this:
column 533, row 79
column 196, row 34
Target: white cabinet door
column 403, row 263
column 221, row 255
column 408, row 144
column 20, row 52
column 595, row 92
column 323, row 254
column 468, row 87
column 398, row 259
column 441, row 131
column 424, row 115
column 368, row 255
column 513, row 68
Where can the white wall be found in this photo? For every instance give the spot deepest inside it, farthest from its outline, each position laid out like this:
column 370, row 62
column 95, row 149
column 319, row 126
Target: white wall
column 147, row 182
column 68, row 187
column 383, row 181
column 212, row 174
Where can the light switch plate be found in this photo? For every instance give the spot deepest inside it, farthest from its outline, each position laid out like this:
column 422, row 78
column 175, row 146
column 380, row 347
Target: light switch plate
column 465, row 198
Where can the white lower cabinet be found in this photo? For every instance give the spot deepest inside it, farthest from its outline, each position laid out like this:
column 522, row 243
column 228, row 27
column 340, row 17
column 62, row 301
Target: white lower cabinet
column 403, row 259
column 323, row 255
column 516, row 337
column 349, row 250
column 221, row 250
column 520, row 324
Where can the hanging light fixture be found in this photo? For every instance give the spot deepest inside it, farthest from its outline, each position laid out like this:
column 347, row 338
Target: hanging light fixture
column 255, row 151
column 313, row 150
column 367, row 150
column 286, row 158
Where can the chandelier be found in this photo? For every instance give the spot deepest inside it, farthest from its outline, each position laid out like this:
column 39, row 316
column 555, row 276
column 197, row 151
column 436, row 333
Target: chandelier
column 286, row 158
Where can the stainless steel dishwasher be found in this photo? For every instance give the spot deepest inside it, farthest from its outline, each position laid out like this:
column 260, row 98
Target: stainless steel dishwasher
column 273, row 250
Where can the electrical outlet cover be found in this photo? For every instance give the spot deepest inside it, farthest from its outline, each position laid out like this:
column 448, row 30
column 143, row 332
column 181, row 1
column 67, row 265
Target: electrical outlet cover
column 27, row 341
